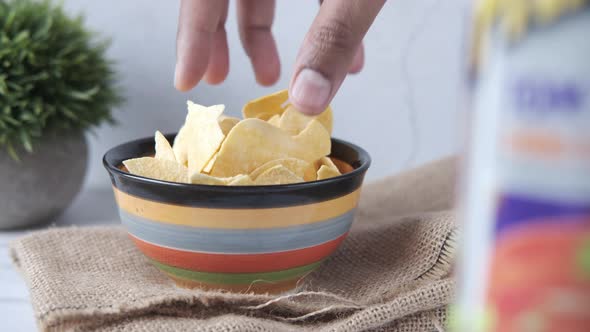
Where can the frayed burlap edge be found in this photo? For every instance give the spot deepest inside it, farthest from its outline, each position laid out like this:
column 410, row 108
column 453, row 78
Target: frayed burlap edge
column 251, row 305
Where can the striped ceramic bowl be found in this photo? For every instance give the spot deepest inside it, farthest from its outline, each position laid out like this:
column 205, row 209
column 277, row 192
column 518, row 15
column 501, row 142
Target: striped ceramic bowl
column 258, row 239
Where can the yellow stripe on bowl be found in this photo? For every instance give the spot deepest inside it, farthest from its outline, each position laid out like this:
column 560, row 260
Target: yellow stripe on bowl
column 236, row 218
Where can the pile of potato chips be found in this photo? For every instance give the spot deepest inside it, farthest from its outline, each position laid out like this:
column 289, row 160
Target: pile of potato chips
column 273, row 144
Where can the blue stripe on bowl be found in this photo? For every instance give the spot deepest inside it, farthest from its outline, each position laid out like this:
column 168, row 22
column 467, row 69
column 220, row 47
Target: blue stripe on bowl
column 237, row 241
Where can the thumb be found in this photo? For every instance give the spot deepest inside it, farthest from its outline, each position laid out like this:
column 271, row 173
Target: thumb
column 328, row 51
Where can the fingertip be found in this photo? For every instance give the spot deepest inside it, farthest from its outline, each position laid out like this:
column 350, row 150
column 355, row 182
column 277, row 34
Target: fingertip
column 355, row 68
column 189, row 68
column 185, row 87
column 198, row 21
column 181, row 82
column 218, row 65
column 310, row 92
column 266, row 81
column 217, row 72
column 267, row 73
column 265, row 59
column 215, row 79
column 358, row 61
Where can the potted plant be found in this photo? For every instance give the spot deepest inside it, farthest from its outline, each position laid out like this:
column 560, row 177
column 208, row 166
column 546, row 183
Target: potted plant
column 55, row 84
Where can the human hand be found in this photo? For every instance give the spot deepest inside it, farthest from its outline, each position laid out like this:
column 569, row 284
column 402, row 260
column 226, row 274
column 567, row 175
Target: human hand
column 331, row 49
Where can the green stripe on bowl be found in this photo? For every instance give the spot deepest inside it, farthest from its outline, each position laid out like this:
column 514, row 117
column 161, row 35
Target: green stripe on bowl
column 236, row 278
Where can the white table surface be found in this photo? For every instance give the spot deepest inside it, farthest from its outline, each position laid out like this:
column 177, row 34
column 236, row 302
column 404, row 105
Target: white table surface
column 91, row 207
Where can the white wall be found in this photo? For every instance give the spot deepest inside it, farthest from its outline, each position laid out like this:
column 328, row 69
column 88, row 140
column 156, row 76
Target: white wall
column 413, row 54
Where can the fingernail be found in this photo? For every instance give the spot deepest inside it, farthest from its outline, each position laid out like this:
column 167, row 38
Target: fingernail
column 311, row 90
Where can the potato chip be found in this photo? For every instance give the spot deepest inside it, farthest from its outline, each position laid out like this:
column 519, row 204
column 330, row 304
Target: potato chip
column 200, row 178
column 326, row 172
column 209, row 166
column 274, row 144
column 327, row 161
column 278, row 174
column 326, row 168
column 226, row 123
column 265, row 115
column 274, row 120
column 238, row 180
column 180, row 144
column 253, row 142
column 201, row 134
column 293, row 121
column 267, row 107
column 299, row 167
column 241, row 180
column 182, row 140
column 163, row 148
column 327, row 119
column 312, row 142
column 160, row 169
column 205, row 135
column 271, row 105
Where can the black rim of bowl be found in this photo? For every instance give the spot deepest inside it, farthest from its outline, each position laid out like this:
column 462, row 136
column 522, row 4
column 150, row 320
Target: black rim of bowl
column 109, row 161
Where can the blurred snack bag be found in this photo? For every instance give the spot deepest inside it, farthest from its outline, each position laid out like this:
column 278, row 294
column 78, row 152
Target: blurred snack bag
column 525, row 195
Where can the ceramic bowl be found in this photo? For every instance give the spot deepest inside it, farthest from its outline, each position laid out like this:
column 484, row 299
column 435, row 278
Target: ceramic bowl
column 260, row 239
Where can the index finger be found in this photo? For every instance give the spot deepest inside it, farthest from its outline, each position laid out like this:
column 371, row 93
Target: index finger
column 198, row 21
column 255, row 19
column 328, row 51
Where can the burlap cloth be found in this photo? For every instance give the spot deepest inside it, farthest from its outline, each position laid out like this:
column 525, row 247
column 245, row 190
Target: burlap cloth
column 391, row 274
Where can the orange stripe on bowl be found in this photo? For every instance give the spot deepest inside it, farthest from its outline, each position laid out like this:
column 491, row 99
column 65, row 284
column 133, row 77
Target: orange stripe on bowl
column 236, row 218
column 238, row 263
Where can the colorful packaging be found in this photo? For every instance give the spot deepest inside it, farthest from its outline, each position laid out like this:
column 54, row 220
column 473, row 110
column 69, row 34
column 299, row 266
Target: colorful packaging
column 525, row 200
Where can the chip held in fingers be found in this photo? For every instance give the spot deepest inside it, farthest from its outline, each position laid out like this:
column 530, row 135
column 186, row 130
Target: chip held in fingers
column 274, row 144
column 293, row 121
column 253, row 142
column 267, row 106
column 275, row 120
column 276, row 110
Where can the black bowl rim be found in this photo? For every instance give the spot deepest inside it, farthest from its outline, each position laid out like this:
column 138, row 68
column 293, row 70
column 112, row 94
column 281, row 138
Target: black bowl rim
column 364, row 157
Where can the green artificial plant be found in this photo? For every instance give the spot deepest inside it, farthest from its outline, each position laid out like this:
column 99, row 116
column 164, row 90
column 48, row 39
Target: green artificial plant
column 54, row 74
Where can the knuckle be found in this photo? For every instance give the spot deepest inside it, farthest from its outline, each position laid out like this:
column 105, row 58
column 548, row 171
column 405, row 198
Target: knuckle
column 334, row 36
